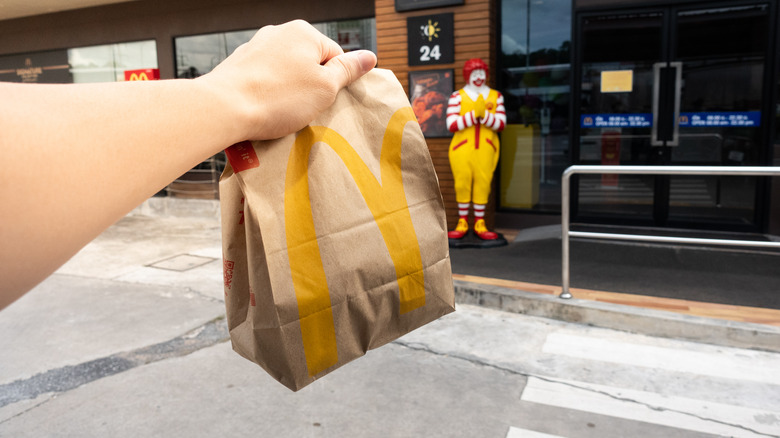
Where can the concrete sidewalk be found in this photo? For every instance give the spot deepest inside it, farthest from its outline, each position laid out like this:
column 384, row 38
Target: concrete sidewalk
column 654, row 272
column 128, row 339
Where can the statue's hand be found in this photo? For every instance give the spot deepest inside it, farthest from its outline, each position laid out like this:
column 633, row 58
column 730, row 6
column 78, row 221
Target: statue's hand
column 471, row 118
column 479, row 107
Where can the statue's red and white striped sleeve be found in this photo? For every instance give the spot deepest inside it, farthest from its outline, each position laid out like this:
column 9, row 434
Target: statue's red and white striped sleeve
column 456, row 122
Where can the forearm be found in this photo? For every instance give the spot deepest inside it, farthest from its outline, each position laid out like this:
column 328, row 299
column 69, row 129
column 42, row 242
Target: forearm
column 66, row 174
column 79, row 157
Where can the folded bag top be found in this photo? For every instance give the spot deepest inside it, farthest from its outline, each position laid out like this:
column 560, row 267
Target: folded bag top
column 334, row 238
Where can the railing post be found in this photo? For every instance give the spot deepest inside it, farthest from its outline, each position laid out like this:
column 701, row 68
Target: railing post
column 565, row 204
column 566, row 233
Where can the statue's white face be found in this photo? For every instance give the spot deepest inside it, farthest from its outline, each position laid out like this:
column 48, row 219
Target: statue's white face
column 477, row 78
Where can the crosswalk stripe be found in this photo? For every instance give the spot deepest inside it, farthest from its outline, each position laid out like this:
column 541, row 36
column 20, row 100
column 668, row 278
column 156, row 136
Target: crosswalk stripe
column 670, row 359
column 678, row 412
column 515, row 432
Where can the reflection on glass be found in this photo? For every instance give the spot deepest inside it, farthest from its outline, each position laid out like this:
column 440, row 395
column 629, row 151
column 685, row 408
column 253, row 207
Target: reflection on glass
column 199, row 54
column 107, row 63
column 610, row 43
column 534, row 79
column 351, row 34
column 720, row 95
column 711, row 55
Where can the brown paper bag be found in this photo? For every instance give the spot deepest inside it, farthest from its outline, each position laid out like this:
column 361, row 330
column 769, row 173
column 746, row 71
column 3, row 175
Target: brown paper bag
column 335, row 238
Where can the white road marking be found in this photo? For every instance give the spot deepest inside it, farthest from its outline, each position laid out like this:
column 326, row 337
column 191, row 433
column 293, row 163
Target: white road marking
column 515, row 432
column 678, row 412
column 744, row 367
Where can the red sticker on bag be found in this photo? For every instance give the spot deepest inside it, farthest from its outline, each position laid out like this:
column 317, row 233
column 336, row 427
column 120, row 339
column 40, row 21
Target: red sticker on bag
column 242, row 156
column 227, row 266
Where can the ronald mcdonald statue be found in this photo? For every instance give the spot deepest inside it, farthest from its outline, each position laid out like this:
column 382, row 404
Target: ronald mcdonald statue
column 475, row 114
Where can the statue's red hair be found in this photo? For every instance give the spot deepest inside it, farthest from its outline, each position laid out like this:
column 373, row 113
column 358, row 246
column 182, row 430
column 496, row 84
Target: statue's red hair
column 471, row 65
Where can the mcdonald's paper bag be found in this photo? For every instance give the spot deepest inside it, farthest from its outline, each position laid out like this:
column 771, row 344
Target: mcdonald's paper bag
column 334, row 238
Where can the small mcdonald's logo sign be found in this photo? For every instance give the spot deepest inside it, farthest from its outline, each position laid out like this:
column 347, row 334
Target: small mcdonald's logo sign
column 146, row 74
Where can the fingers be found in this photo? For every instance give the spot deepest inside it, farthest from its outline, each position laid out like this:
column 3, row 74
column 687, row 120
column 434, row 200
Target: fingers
column 342, row 69
column 347, row 68
column 330, row 49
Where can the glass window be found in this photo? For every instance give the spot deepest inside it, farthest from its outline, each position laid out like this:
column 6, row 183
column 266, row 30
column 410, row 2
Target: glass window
column 50, row 67
column 199, row 54
column 108, row 63
column 533, row 76
column 351, row 34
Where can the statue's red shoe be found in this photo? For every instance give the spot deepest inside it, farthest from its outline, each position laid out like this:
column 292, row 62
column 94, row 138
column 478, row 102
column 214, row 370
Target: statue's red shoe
column 482, row 232
column 460, row 230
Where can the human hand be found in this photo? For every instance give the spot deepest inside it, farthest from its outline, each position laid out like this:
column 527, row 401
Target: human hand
column 283, row 78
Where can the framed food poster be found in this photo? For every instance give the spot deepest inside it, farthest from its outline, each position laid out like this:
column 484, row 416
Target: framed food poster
column 430, row 90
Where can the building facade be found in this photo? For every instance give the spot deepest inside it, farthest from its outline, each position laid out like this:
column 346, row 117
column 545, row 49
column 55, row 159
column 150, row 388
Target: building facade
column 647, row 82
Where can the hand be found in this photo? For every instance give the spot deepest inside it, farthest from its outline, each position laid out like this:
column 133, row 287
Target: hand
column 284, row 77
column 470, row 118
column 480, row 107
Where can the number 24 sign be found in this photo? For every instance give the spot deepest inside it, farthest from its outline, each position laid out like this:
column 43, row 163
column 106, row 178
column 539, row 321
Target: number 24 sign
column 430, row 39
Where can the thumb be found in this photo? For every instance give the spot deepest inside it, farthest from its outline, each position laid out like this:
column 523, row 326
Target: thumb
column 348, row 67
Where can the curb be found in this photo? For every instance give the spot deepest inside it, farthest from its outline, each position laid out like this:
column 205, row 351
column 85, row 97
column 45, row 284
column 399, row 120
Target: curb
column 650, row 322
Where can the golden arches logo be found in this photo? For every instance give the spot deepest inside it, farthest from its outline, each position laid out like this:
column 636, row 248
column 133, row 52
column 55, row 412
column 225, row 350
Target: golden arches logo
column 139, row 77
column 387, row 203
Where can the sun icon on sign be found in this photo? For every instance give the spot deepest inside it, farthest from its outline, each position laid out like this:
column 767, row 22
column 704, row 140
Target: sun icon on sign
column 431, row 30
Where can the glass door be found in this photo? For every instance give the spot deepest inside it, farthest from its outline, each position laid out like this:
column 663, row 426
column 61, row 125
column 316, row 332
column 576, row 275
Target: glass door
column 619, row 54
column 672, row 86
column 722, row 54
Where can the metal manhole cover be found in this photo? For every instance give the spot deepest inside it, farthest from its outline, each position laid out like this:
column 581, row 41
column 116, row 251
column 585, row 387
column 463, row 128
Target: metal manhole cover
column 182, row 262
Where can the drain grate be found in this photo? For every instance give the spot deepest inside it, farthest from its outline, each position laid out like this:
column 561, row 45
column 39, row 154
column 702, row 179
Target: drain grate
column 182, row 262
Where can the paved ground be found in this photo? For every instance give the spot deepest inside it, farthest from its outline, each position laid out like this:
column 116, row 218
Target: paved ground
column 127, row 340
column 738, row 276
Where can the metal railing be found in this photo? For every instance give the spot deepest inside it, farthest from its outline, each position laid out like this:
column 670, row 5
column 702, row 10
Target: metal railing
column 200, row 182
column 647, row 170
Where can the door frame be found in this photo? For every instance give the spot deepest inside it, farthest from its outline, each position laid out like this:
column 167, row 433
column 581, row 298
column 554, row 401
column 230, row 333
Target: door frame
column 585, row 8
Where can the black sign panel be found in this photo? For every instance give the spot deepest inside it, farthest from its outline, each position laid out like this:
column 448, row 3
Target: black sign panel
column 411, row 5
column 40, row 67
column 431, row 39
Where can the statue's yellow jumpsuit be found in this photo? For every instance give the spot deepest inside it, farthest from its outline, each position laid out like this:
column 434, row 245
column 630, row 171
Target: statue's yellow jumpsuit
column 474, row 152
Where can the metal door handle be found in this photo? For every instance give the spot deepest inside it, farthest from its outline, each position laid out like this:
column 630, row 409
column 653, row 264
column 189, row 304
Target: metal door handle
column 677, row 66
column 657, row 90
column 656, row 102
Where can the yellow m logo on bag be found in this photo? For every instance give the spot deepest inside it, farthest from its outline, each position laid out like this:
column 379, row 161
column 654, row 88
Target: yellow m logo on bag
column 387, row 202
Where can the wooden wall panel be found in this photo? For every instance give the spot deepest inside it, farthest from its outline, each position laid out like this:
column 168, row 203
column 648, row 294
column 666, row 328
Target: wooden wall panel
column 475, row 37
